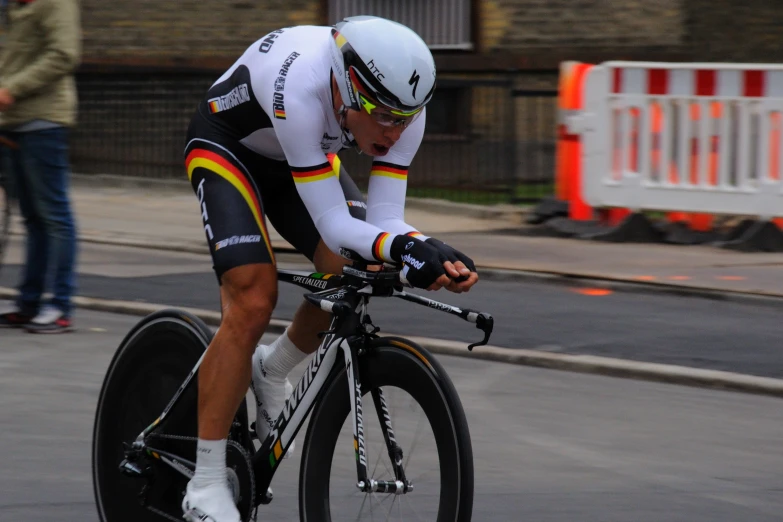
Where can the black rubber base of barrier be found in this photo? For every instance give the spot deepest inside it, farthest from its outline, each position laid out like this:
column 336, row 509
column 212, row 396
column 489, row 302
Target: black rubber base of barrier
column 565, row 227
column 634, row 228
column 754, row 236
column 747, row 236
column 681, row 234
column 547, row 209
column 739, row 230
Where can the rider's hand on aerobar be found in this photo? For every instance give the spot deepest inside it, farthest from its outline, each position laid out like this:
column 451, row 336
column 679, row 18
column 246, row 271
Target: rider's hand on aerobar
column 453, row 255
column 422, row 263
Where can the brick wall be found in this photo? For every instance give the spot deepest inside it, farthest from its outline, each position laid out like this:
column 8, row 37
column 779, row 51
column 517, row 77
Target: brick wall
column 150, row 29
column 735, row 31
column 527, row 25
column 700, row 30
column 709, row 30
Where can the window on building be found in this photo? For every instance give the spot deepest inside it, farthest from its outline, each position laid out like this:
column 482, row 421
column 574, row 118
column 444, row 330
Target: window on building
column 443, row 24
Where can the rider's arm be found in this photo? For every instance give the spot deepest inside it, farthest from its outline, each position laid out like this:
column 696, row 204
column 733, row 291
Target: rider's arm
column 389, row 181
column 300, row 136
column 386, row 194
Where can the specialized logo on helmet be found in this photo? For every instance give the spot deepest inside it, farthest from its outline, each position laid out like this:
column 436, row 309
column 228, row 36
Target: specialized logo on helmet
column 415, row 82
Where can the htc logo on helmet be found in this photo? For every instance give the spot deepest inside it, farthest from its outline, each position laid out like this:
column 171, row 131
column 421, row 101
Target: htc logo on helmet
column 374, row 69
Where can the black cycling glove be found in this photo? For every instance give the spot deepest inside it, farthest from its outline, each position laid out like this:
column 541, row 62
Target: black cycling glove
column 452, row 254
column 422, row 263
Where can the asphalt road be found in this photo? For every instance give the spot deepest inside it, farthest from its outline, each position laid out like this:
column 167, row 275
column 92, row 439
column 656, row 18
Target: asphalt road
column 687, row 331
column 548, row 446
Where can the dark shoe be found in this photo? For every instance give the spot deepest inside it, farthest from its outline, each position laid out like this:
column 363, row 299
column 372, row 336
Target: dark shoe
column 49, row 320
column 14, row 320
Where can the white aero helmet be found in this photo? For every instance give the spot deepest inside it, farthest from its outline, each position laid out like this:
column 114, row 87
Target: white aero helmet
column 384, row 60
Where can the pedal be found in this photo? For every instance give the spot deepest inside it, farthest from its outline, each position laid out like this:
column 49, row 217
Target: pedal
column 130, row 469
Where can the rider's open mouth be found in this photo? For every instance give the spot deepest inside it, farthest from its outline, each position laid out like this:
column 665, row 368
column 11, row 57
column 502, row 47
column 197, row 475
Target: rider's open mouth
column 379, row 150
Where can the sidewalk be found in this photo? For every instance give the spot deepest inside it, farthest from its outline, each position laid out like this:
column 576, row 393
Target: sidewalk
column 168, row 217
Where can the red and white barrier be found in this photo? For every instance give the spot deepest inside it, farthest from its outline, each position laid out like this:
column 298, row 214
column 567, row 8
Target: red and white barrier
column 685, row 138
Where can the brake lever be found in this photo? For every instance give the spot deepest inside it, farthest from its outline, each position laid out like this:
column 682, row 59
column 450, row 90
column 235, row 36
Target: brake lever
column 485, row 323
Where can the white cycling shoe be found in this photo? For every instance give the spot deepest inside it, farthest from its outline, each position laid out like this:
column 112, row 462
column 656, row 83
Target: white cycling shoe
column 270, row 395
column 213, row 503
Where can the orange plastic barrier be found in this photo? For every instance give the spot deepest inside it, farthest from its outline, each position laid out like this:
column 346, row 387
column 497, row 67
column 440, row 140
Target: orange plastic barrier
column 563, row 165
column 569, row 148
column 568, row 168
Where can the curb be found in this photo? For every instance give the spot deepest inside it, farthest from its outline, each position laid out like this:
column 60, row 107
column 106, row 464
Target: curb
column 589, row 364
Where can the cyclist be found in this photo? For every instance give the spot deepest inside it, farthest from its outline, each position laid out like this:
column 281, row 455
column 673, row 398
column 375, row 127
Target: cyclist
column 257, row 146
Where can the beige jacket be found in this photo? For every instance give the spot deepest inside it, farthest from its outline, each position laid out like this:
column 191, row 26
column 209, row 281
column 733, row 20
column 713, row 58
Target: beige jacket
column 41, row 51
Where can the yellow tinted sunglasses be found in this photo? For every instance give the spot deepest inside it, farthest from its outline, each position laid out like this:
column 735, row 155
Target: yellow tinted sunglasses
column 388, row 117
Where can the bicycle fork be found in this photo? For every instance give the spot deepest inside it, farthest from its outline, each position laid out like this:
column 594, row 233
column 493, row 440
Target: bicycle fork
column 367, row 484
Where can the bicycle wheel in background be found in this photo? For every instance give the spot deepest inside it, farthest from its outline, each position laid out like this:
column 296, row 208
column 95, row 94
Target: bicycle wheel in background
column 429, row 425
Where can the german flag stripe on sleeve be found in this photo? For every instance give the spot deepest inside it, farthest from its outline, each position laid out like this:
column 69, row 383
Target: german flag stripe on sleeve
column 381, row 246
column 414, row 233
column 310, row 174
column 389, row 170
column 335, row 162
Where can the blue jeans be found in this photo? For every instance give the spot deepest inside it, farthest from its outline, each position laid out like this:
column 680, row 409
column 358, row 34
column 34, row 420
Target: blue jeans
column 39, row 172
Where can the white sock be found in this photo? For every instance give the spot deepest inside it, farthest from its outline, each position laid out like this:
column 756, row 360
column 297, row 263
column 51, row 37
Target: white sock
column 210, row 463
column 283, row 357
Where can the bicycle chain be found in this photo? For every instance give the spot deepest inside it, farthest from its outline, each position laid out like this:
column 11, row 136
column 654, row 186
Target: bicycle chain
column 236, row 445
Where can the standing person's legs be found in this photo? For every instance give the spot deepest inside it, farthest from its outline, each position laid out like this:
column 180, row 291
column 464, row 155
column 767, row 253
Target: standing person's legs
column 32, row 276
column 45, row 162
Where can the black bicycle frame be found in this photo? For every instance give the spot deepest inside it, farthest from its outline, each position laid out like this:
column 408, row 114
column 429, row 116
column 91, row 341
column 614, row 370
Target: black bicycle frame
column 349, row 308
column 346, row 297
